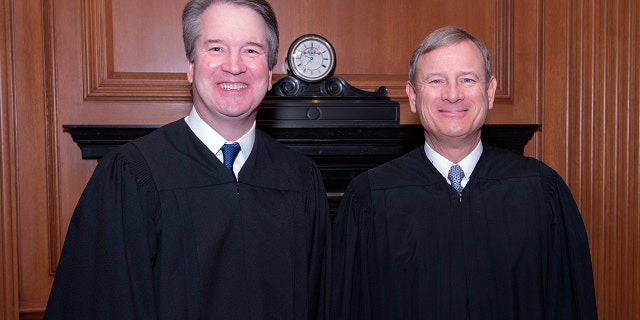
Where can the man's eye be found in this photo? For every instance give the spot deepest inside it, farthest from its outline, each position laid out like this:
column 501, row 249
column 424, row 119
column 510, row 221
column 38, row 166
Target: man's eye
column 468, row 81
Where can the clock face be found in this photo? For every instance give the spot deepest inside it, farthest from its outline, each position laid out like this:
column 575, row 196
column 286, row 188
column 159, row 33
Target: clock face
column 311, row 58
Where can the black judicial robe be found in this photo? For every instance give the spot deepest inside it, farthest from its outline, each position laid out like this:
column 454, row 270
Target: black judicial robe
column 162, row 231
column 511, row 246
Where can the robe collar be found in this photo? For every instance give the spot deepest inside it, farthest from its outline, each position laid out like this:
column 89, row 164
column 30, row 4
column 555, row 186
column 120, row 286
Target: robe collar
column 443, row 164
column 214, row 141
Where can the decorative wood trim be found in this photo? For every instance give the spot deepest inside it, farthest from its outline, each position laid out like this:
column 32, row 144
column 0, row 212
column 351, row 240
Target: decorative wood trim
column 101, row 82
column 51, row 138
column 503, row 50
column 592, row 135
column 8, row 233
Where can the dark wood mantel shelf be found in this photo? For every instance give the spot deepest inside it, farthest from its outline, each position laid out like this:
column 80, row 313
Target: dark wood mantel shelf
column 340, row 152
column 343, row 129
column 95, row 140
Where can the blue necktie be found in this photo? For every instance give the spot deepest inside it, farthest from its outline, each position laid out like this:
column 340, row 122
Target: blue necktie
column 229, row 154
column 455, row 176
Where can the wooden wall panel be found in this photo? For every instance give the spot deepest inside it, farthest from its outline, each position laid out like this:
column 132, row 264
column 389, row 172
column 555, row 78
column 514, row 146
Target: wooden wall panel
column 33, row 149
column 603, row 139
column 591, row 135
column 570, row 65
column 123, row 51
column 148, row 64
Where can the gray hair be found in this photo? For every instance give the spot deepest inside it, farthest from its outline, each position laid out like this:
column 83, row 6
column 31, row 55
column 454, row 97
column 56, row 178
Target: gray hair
column 443, row 37
column 192, row 14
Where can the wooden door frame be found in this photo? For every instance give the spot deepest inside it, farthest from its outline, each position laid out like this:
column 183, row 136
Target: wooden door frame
column 8, row 249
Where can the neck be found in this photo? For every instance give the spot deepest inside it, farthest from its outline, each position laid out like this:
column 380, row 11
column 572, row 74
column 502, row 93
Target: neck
column 231, row 132
column 454, row 149
column 230, row 128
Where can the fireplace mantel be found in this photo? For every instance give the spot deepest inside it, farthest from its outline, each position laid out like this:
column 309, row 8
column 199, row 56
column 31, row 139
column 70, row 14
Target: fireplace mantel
column 95, row 140
column 340, row 152
column 343, row 129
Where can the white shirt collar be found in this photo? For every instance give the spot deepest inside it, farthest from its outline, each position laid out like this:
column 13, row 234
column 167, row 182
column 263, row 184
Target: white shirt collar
column 443, row 164
column 214, row 141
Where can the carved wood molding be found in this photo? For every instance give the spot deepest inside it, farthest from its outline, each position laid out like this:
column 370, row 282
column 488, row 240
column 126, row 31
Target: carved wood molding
column 101, row 82
column 8, row 197
column 502, row 51
column 51, row 138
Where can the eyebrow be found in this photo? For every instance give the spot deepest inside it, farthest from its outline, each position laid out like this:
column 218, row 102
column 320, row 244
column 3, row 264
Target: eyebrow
column 250, row 43
column 467, row 73
column 440, row 74
column 257, row 44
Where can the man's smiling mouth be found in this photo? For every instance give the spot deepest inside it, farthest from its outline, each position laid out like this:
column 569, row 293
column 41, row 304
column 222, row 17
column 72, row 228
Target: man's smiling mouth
column 233, row 86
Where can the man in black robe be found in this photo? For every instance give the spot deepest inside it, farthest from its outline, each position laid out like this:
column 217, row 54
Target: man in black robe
column 164, row 230
column 498, row 236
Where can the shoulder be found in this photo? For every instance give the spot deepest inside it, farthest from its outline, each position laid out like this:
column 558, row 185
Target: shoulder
column 155, row 142
column 173, row 155
column 122, row 169
column 409, row 170
column 276, row 165
column 126, row 159
column 166, row 136
column 412, row 168
column 171, row 145
column 501, row 164
column 280, row 153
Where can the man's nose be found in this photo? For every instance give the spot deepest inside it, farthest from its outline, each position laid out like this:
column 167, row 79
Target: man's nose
column 234, row 63
column 452, row 92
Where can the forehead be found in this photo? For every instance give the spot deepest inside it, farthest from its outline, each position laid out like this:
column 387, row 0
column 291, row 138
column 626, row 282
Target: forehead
column 464, row 56
column 232, row 22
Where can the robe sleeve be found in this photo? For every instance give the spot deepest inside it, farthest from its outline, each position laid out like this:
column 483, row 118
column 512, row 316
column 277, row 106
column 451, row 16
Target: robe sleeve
column 350, row 298
column 320, row 252
column 570, row 290
column 105, row 266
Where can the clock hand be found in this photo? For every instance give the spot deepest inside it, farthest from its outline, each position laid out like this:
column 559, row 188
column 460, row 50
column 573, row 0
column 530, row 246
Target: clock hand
column 310, row 59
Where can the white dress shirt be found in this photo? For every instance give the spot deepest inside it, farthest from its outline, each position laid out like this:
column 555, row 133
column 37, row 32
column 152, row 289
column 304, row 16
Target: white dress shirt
column 443, row 164
column 214, row 141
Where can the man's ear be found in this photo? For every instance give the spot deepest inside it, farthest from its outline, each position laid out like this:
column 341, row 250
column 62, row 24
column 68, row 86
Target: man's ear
column 190, row 71
column 491, row 91
column 411, row 94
